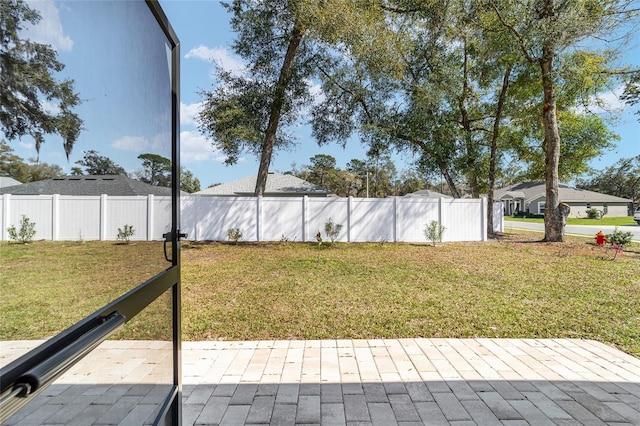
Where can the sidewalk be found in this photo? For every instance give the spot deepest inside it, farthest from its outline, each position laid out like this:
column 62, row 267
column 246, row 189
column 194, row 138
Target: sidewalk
column 333, row 382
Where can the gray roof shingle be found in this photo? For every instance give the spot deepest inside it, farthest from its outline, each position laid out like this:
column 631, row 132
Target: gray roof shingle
column 6, row 182
column 277, row 185
column 566, row 193
column 115, row 185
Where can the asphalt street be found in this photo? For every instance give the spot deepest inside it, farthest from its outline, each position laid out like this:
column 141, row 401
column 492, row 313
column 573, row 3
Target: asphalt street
column 581, row 230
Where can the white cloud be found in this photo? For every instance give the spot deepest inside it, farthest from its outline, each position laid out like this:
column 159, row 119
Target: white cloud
column 27, row 145
column 196, row 148
column 131, row 143
column 188, row 113
column 217, row 55
column 611, row 101
column 49, row 29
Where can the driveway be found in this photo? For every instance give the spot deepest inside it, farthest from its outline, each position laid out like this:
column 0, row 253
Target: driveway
column 582, row 230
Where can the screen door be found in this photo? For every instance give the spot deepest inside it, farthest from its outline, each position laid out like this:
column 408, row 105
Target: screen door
column 90, row 311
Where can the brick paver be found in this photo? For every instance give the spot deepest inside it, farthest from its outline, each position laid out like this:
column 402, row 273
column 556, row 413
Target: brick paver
column 341, row 382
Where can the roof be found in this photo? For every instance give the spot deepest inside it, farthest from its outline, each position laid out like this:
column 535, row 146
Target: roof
column 277, row 185
column 567, row 194
column 427, row 194
column 8, row 181
column 115, row 185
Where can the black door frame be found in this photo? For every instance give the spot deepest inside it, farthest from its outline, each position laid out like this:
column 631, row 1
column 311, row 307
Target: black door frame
column 24, row 378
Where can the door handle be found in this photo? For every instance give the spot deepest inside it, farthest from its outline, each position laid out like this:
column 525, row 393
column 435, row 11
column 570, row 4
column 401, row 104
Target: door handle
column 168, row 237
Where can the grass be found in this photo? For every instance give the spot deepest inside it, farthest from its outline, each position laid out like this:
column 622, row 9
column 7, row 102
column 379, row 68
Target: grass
column 605, row 221
column 511, row 287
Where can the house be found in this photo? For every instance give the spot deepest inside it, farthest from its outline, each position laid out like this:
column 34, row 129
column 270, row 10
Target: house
column 114, row 185
column 278, row 185
column 8, row 181
column 531, row 198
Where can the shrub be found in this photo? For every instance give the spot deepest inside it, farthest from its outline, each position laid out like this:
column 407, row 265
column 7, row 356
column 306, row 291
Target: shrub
column 234, row 234
column 332, row 230
column 619, row 238
column 433, row 231
column 594, row 213
column 25, row 233
column 125, row 234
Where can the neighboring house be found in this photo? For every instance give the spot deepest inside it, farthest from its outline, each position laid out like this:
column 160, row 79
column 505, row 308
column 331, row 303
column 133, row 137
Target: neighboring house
column 530, row 197
column 8, row 181
column 114, row 185
column 278, row 185
column 426, row 193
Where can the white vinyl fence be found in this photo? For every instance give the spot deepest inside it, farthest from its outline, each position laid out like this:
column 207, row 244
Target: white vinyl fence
column 396, row 219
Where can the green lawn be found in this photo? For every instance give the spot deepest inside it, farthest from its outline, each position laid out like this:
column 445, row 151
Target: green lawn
column 510, row 287
column 605, row 221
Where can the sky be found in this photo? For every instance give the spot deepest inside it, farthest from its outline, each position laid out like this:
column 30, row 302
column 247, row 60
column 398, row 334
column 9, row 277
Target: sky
column 205, row 39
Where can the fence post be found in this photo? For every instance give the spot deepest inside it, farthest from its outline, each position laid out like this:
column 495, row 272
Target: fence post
column 55, row 217
column 259, row 218
column 103, row 217
column 483, row 218
column 305, row 206
column 6, row 216
column 150, row 214
column 196, row 216
column 395, row 219
column 349, row 212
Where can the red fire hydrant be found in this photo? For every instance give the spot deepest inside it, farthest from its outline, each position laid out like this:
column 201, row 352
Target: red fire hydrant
column 601, row 239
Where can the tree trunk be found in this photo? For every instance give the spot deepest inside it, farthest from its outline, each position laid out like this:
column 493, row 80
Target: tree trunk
column 276, row 109
column 471, row 156
column 494, row 148
column 555, row 217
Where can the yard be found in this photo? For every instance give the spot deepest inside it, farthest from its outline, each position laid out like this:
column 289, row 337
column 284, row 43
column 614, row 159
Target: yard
column 509, row 287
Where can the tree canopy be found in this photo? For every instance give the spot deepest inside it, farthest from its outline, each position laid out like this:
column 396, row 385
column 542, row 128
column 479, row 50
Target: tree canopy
column 96, row 164
column 28, row 79
column 14, row 166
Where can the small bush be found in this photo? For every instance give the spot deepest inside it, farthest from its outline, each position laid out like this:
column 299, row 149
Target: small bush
column 594, row 213
column 125, row 234
column 234, row 234
column 26, row 232
column 433, row 232
column 619, row 238
column 332, row 230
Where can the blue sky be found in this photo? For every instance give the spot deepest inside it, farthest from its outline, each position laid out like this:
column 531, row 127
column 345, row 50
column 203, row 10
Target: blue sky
column 205, row 37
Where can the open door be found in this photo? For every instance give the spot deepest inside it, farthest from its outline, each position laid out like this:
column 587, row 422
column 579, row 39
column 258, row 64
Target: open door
column 123, row 58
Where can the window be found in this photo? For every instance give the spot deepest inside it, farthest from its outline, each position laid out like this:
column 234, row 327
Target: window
column 541, row 206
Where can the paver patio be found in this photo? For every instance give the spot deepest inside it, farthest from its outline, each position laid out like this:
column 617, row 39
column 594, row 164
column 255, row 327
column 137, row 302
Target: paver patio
column 333, row 382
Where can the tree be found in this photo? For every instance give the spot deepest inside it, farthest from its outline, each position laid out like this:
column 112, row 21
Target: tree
column 14, row 166
column 543, row 30
column 188, row 182
column 621, row 179
column 96, row 164
column 156, row 170
column 27, row 77
column 245, row 112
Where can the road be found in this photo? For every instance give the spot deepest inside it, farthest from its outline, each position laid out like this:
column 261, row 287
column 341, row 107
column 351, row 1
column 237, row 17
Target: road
column 582, row 230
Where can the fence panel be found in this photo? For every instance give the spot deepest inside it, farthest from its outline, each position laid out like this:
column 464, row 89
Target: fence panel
column 121, row 211
column 161, row 218
column 372, row 219
column 321, row 210
column 80, row 214
column 38, row 208
column 216, row 215
column 282, row 218
column 412, row 216
column 462, row 219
